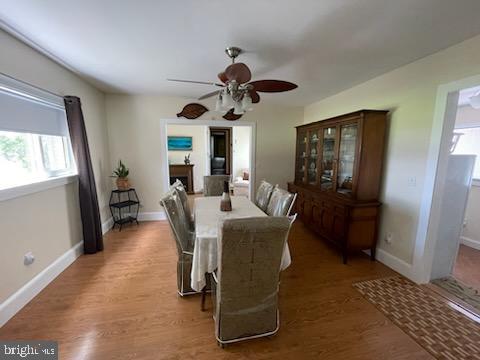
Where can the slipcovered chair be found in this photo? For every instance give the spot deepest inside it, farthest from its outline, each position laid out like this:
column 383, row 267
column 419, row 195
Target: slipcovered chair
column 281, row 202
column 246, row 284
column 182, row 193
column 263, row 195
column 213, row 184
column 184, row 239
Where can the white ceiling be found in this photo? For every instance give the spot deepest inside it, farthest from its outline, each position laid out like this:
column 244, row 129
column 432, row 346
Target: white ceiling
column 324, row 46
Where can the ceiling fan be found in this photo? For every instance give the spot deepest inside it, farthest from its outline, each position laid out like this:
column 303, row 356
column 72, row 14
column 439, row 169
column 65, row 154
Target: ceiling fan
column 237, row 93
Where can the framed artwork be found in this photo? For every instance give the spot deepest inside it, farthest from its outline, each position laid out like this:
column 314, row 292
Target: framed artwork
column 179, row 143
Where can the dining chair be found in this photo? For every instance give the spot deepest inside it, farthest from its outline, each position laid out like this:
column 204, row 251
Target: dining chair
column 213, row 184
column 262, row 197
column 182, row 193
column 281, row 202
column 184, row 240
column 246, row 283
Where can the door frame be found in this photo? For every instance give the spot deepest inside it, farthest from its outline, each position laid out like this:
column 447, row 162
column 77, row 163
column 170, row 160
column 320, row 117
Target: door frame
column 207, row 123
column 436, row 166
column 229, row 151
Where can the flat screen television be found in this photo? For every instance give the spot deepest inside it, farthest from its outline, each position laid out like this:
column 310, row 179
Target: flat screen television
column 179, row 143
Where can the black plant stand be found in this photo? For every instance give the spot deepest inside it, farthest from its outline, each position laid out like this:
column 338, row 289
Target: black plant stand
column 124, row 206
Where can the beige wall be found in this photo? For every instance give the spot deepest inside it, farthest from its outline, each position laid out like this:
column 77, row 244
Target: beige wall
column 241, row 150
column 198, row 155
column 48, row 223
column 409, row 93
column 134, row 133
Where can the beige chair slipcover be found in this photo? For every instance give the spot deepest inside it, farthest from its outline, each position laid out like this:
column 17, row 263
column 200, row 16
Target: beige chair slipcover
column 184, row 239
column 262, row 197
column 280, row 202
column 246, row 283
column 180, row 189
column 213, row 185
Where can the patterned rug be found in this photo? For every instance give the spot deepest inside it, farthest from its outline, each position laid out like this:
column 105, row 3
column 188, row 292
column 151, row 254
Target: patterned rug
column 466, row 293
column 442, row 331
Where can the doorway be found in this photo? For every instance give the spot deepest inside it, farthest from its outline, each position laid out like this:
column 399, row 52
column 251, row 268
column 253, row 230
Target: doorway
column 220, row 150
column 456, row 256
column 242, row 136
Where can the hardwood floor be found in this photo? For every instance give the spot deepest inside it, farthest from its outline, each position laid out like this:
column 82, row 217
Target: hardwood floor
column 122, row 304
column 467, row 266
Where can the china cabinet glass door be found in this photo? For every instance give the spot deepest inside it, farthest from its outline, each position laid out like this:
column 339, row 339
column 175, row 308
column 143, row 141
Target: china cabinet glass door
column 328, row 158
column 346, row 158
column 312, row 156
column 301, row 157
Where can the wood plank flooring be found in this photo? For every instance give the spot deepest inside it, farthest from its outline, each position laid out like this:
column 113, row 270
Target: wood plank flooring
column 122, row 304
column 467, row 266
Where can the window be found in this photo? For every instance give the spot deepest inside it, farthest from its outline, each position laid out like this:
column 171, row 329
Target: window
column 469, row 144
column 34, row 141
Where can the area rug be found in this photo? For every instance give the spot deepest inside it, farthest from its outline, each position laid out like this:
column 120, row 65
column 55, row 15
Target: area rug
column 466, row 293
column 442, row 331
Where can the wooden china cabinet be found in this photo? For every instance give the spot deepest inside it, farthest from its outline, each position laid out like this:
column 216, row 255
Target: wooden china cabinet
column 337, row 178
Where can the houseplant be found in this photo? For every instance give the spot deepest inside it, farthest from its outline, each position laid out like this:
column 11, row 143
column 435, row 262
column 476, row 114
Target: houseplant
column 121, row 173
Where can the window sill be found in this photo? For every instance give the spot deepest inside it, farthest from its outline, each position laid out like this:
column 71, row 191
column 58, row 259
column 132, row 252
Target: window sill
column 23, row 190
column 476, row 182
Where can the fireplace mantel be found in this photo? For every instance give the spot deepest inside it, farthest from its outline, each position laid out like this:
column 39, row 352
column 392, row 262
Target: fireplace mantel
column 184, row 173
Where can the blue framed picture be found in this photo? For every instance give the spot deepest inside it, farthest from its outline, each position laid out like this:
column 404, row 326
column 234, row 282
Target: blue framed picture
column 179, row 143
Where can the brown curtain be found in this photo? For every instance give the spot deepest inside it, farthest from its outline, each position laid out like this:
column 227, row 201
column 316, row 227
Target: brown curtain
column 92, row 227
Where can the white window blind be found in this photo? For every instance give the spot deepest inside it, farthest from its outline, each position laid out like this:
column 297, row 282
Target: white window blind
column 34, row 139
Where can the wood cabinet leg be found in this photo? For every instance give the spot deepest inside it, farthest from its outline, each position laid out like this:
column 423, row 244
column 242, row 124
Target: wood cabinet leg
column 204, row 295
column 345, row 256
column 372, row 253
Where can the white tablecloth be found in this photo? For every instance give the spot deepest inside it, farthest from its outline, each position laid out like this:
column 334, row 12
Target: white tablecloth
column 207, row 217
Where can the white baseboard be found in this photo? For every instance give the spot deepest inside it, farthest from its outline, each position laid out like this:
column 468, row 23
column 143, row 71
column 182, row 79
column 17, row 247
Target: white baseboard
column 395, row 263
column 107, row 225
column 152, row 216
column 470, row 242
column 31, row 289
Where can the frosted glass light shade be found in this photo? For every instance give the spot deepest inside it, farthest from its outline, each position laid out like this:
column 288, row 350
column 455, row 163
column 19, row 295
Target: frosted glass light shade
column 247, row 103
column 218, row 104
column 227, row 101
column 237, row 109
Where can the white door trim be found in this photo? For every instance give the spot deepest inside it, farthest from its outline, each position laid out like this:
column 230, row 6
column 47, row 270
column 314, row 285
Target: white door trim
column 442, row 126
column 222, row 123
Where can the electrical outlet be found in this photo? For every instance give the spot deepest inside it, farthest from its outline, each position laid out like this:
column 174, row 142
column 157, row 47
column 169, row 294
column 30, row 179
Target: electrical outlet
column 28, row 258
column 389, row 238
column 412, row 181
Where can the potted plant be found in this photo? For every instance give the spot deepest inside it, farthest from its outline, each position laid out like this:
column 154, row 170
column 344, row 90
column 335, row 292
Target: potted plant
column 121, row 173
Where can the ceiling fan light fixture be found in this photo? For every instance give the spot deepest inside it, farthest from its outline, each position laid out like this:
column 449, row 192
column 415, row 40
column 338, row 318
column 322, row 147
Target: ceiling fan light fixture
column 475, row 101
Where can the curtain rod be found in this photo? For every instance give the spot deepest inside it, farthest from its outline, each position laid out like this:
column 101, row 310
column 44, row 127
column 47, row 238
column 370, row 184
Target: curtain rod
column 34, row 86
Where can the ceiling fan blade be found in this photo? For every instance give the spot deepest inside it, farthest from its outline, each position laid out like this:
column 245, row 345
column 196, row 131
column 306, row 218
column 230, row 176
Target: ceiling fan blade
column 213, row 93
column 231, row 116
column 223, row 77
column 254, row 95
column 272, row 86
column 238, row 72
column 196, row 82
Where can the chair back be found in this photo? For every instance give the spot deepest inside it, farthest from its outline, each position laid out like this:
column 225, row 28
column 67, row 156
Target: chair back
column 213, row 184
column 178, row 221
column 263, row 195
column 250, row 252
column 182, row 193
column 280, row 202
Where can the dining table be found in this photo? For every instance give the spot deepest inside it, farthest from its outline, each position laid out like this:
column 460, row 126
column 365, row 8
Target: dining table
column 208, row 218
